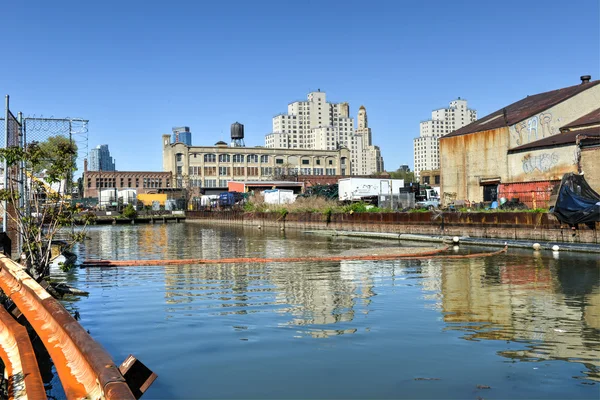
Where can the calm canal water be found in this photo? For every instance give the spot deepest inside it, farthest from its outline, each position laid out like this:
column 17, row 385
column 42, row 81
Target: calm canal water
column 524, row 326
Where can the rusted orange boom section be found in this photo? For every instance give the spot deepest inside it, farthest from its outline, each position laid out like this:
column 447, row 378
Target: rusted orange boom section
column 246, row 260
column 24, row 379
column 85, row 369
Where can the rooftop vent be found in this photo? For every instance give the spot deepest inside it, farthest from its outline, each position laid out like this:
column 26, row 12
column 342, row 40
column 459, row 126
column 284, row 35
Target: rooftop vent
column 586, row 78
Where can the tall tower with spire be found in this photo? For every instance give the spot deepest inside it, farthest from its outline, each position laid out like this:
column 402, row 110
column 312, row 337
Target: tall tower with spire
column 362, row 118
column 366, row 158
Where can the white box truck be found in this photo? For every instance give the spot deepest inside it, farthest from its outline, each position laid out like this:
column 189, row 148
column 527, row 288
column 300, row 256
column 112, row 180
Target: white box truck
column 356, row 189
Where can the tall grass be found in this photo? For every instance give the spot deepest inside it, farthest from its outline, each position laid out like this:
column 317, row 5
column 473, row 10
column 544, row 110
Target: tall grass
column 257, row 203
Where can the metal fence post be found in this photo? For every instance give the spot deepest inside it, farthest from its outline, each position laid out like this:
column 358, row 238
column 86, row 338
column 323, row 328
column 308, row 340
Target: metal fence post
column 4, row 203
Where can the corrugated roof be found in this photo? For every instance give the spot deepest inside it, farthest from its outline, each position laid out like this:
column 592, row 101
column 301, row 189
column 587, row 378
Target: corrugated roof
column 560, row 139
column 522, row 109
column 592, row 118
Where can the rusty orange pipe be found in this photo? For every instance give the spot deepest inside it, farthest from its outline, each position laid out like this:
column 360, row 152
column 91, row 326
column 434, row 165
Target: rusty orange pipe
column 85, row 369
column 24, row 379
column 246, row 260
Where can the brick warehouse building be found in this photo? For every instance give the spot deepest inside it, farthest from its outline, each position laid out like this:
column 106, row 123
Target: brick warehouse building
column 142, row 181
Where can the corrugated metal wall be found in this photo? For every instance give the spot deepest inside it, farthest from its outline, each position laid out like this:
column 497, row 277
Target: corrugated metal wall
column 533, row 194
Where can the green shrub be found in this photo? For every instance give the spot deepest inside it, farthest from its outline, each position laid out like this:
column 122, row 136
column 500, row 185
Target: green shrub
column 129, row 212
column 327, row 214
column 355, row 207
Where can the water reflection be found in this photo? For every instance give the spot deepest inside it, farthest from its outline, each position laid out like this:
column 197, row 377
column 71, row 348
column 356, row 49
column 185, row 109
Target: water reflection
column 529, row 308
column 551, row 307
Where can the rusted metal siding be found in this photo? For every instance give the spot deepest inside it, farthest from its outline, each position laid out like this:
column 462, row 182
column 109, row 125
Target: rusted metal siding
column 541, row 165
column 590, row 165
column 533, row 194
column 466, row 159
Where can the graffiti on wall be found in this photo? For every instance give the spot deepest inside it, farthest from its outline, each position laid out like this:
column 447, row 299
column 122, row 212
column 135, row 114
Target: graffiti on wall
column 535, row 128
column 542, row 162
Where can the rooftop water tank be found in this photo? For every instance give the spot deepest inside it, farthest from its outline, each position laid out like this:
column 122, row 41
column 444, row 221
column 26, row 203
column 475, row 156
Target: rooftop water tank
column 237, row 131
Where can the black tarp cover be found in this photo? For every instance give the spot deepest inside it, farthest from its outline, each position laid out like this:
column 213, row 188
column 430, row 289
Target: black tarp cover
column 577, row 202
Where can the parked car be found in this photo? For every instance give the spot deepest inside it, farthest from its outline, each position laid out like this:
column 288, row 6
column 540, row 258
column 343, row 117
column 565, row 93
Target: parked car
column 428, row 204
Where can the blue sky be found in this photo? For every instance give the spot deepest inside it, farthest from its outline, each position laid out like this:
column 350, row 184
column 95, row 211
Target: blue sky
column 135, row 69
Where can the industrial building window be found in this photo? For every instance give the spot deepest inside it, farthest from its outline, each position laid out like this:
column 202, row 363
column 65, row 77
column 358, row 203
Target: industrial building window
column 210, row 171
column 210, row 183
column 223, row 171
column 330, row 162
column 252, row 171
column 305, row 162
column 178, row 156
column 437, row 179
column 266, row 171
column 239, row 158
column 252, row 158
column 222, row 182
column 264, row 159
column 239, row 171
column 210, row 158
column 279, row 161
column 224, row 158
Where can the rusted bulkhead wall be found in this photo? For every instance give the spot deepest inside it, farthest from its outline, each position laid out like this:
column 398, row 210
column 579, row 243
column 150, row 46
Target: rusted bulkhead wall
column 506, row 225
column 466, row 159
column 590, row 166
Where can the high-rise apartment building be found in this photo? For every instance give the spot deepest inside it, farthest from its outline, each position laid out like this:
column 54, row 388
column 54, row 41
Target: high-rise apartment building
column 318, row 125
column 100, row 159
column 443, row 121
column 182, row 134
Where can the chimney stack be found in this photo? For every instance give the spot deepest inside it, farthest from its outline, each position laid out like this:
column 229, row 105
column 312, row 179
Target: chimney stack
column 585, row 79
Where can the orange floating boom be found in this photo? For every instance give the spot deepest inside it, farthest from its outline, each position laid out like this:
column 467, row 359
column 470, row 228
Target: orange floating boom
column 250, row 260
column 24, row 378
column 85, row 369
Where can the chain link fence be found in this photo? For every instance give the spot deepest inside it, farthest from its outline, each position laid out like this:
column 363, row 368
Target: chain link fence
column 400, row 201
column 23, row 131
column 41, row 130
column 12, row 177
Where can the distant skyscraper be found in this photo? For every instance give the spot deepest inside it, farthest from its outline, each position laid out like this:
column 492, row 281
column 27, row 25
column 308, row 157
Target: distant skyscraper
column 319, row 125
column 100, row 159
column 443, row 121
column 182, row 134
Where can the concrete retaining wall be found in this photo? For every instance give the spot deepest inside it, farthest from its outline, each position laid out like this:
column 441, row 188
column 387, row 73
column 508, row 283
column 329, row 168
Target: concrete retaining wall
column 505, row 225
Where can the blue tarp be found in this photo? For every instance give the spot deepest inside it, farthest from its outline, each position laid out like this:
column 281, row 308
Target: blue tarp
column 577, row 202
